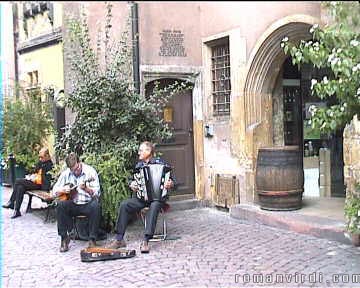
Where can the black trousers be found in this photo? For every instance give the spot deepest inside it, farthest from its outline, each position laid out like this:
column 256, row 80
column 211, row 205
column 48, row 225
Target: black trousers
column 22, row 185
column 132, row 205
column 66, row 210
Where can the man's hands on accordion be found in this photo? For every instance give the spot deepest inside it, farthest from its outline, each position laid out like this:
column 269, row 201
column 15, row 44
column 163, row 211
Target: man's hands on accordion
column 134, row 186
column 168, row 185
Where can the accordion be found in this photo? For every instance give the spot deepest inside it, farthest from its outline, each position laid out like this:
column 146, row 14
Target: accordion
column 150, row 180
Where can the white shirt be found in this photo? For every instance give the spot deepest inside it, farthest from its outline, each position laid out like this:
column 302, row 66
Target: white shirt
column 67, row 177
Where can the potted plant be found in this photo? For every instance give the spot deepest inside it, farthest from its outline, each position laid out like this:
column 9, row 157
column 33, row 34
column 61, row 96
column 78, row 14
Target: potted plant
column 352, row 215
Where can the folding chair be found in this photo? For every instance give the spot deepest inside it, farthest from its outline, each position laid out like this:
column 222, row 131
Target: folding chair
column 162, row 236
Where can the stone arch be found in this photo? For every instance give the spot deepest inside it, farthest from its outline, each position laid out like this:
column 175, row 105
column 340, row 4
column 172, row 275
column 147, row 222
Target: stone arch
column 151, row 76
column 168, row 76
column 163, row 82
column 265, row 63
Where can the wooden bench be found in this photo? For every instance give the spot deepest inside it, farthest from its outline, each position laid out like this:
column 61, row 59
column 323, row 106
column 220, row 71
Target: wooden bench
column 45, row 197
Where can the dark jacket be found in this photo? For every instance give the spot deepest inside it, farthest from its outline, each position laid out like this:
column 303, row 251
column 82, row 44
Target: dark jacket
column 45, row 175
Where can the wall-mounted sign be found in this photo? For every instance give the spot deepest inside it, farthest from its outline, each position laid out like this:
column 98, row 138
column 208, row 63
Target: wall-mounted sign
column 172, row 43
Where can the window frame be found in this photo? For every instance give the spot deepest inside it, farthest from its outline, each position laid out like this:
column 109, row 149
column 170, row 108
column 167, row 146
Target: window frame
column 221, row 96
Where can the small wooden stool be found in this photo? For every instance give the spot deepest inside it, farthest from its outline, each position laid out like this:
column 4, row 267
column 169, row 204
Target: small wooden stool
column 76, row 234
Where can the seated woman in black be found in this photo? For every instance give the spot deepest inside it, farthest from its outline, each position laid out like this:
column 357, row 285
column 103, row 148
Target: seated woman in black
column 40, row 180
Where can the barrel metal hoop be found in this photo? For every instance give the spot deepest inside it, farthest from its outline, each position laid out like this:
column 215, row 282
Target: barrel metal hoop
column 279, row 162
column 279, row 193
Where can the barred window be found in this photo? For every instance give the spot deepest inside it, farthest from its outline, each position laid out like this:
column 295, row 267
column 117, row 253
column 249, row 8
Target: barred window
column 221, row 86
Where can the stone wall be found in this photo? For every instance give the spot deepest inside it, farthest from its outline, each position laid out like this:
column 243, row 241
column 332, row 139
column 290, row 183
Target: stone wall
column 255, row 66
column 352, row 156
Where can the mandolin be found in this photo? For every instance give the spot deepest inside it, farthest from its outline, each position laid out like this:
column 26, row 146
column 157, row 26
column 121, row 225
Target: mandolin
column 72, row 190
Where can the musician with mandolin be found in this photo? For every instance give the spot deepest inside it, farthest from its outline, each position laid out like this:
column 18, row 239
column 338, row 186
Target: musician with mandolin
column 151, row 181
column 77, row 191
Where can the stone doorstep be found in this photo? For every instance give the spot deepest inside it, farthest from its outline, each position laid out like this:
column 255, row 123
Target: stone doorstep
column 317, row 226
column 177, row 204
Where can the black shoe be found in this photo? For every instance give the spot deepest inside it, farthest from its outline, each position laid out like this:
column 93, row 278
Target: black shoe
column 9, row 205
column 16, row 214
column 65, row 244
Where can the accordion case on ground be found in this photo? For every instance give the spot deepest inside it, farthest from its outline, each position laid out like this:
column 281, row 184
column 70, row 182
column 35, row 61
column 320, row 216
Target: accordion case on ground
column 151, row 180
column 103, row 254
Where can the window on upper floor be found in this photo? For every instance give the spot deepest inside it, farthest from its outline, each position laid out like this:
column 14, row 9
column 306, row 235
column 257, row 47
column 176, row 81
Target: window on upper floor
column 221, row 85
column 36, row 17
column 32, row 8
column 33, row 85
column 33, row 79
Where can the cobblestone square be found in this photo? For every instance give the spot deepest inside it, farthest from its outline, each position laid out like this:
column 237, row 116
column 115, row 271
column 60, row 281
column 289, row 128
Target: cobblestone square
column 214, row 250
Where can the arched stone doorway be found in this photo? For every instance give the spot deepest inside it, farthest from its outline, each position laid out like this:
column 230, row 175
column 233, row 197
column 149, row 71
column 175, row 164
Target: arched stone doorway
column 264, row 65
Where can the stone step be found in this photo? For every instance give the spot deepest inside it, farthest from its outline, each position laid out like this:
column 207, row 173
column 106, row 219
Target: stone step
column 321, row 227
column 177, row 205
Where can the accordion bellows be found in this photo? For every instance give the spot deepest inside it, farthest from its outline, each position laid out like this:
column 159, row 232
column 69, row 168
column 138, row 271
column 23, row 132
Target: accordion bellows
column 150, row 180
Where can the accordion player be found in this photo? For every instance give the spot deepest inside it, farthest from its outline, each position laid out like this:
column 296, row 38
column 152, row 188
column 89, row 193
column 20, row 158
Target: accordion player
column 150, row 180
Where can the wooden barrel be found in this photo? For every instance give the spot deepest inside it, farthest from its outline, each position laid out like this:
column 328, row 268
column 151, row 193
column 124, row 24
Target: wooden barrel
column 280, row 178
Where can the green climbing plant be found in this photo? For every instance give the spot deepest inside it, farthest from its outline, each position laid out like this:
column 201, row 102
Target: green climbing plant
column 335, row 46
column 111, row 118
column 27, row 122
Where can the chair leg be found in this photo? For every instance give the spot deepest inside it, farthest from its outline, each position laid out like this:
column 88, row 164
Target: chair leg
column 164, row 228
column 144, row 220
column 47, row 214
column 28, row 208
column 76, row 234
column 50, row 206
column 161, row 237
column 157, row 237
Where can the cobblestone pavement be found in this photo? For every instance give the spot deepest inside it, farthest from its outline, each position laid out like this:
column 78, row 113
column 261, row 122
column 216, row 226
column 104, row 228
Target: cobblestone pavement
column 214, row 250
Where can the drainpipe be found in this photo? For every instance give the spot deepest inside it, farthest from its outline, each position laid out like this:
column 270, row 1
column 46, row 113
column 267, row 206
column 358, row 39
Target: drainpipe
column 16, row 40
column 135, row 41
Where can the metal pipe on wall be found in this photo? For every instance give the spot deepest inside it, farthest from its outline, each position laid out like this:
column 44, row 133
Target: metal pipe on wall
column 135, row 41
column 16, row 40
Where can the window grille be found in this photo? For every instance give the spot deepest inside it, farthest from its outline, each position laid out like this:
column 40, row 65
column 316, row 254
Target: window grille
column 221, row 86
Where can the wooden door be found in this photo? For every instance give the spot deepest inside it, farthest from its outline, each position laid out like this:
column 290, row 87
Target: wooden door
column 292, row 116
column 179, row 150
column 337, row 164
